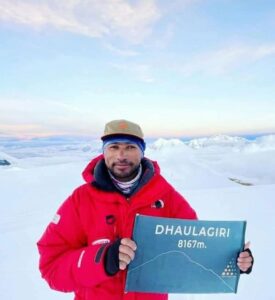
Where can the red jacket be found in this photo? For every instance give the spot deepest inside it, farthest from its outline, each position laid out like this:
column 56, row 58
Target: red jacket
column 73, row 246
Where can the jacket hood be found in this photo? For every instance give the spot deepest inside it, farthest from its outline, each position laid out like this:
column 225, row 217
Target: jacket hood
column 88, row 173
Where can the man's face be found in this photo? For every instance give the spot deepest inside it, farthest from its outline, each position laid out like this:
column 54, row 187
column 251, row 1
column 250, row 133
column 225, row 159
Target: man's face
column 123, row 160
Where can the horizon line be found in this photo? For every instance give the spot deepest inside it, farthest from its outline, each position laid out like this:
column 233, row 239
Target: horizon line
column 149, row 137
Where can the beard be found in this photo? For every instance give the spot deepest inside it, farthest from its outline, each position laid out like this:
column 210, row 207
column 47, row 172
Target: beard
column 124, row 170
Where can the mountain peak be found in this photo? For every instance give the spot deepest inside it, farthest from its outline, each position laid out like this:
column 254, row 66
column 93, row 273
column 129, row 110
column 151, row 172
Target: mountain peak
column 163, row 143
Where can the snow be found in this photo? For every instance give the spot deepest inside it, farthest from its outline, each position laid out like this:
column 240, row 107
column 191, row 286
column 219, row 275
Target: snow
column 164, row 143
column 42, row 175
column 218, row 140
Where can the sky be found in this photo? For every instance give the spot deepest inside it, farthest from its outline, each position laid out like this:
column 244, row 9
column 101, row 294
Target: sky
column 178, row 68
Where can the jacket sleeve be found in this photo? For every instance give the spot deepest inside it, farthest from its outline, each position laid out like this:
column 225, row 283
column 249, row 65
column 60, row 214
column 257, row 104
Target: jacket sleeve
column 180, row 208
column 66, row 261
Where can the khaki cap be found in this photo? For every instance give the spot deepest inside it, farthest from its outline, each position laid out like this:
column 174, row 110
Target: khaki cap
column 123, row 127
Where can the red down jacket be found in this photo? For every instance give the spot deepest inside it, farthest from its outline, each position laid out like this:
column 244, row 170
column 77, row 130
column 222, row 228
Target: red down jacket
column 73, row 246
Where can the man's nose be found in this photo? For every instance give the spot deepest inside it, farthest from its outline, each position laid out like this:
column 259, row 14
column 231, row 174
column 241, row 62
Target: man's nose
column 121, row 154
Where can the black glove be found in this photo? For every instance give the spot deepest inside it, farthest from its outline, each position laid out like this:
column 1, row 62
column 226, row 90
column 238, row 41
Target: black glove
column 248, row 271
column 111, row 259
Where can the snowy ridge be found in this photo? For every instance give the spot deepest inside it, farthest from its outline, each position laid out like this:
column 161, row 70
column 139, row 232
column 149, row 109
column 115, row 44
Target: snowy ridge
column 5, row 157
column 262, row 143
column 218, row 140
column 166, row 143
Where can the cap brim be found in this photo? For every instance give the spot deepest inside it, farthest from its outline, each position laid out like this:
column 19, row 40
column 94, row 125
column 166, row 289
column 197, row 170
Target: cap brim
column 115, row 135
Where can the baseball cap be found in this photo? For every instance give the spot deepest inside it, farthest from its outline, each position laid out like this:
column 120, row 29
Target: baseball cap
column 122, row 127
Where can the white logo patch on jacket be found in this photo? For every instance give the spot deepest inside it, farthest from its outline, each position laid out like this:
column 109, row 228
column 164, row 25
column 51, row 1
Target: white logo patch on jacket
column 56, row 218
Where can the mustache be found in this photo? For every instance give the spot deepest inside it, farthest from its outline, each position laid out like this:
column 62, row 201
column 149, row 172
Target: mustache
column 122, row 161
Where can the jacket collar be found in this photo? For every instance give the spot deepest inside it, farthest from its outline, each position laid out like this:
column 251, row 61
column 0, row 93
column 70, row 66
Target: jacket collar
column 96, row 173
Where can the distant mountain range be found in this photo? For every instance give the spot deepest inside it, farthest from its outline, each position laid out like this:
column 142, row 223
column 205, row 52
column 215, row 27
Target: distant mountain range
column 260, row 143
column 218, row 140
column 12, row 148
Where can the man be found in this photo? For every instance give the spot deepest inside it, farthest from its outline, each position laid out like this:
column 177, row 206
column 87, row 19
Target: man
column 88, row 245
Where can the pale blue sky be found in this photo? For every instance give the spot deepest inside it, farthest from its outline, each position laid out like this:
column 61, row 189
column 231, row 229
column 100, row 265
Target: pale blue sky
column 178, row 68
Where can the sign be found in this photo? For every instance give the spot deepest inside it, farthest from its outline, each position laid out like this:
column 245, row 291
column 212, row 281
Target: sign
column 185, row 256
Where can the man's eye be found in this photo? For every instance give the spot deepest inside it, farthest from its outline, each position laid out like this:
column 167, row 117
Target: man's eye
column 113, row 147
column 131, row 147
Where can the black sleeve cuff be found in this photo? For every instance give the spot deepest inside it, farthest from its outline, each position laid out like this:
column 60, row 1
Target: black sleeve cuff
column 111, row 259
column 248, row 271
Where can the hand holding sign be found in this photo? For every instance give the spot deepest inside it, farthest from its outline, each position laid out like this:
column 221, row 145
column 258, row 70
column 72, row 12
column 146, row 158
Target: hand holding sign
column 245, row 259
column 126, row 253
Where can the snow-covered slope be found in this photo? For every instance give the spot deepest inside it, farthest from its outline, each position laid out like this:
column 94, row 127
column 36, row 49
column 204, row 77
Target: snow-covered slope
column 33, row 190
column 6, row 157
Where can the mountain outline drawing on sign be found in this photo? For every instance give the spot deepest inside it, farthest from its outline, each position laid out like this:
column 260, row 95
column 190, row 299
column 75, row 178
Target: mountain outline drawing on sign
column 221, row 278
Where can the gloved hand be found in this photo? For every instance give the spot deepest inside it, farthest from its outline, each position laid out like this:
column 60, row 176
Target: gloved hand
column 119, row 255
column 245, row 260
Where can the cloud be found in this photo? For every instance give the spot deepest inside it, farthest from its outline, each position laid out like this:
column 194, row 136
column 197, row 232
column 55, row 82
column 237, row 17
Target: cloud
column 115, row 18
column 121, row 52
column 141, row 72
column 226, row 59
column 19, row 115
